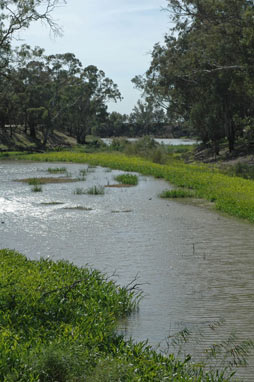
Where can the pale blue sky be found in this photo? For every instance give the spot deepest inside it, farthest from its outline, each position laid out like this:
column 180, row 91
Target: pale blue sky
column 114, row 35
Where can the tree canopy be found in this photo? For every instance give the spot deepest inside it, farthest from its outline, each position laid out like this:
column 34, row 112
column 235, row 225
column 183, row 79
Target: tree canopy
column 203, row 73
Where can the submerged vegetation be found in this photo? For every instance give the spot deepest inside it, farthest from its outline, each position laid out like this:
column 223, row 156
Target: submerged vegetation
column 231, row 194
column 58, row 323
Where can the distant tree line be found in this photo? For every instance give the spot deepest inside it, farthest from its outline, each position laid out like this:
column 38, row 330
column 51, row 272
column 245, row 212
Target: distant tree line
column 203, row 74
column 41, row 93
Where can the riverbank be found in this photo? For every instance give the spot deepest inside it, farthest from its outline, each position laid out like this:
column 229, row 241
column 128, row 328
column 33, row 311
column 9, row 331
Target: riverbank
column 230, row 194
column 58, row 324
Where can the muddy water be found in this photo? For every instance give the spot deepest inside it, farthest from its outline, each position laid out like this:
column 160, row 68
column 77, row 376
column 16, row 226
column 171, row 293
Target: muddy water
column 197, row 266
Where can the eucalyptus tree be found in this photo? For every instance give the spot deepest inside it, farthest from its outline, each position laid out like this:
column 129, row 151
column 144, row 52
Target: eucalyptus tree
column 91, row 92
column 203, row 74
column 17, row 15
column 147, row 118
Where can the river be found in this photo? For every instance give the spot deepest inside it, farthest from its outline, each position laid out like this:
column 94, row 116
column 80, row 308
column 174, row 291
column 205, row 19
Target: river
column 196, row 267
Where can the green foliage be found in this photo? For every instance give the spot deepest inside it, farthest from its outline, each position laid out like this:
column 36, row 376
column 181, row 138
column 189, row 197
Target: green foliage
column 127, row 179
column 244, row 170
column 57, row 170
column 230, row 194
column 95, row 190
column 203, row 73
column 53, row 313
column 57, row 324
column 177, row 194
column 34, row 181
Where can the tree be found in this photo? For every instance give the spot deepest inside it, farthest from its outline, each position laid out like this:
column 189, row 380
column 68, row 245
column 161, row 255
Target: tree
column 92, row 90
column 203, row 74
column 146, row 118
column 17, row 15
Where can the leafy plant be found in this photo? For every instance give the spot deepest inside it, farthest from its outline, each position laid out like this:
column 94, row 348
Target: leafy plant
column 177, row 194
column 95, row 190
column 57, row 170
column 127, row 179
column 34, row 181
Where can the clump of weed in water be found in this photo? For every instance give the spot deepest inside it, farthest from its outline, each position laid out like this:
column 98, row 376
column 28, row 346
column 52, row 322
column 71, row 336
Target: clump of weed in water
column 127, row 179
column 34, row 182
column 79, row 191
column 176, row 194
column 82, row 174
column 57, row 170
column 36, row 188
column 95, row 190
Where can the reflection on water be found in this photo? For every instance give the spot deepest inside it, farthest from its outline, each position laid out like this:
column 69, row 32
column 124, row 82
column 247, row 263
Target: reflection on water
column 197, row 266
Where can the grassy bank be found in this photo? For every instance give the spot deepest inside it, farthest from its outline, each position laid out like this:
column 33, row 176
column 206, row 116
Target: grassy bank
column 231, row 194
column 57, row 323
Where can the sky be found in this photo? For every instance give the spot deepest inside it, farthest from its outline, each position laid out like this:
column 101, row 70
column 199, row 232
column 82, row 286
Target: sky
column 117, row 36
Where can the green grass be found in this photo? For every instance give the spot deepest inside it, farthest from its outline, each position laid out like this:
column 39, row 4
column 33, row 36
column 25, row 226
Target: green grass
column 57, row 170
column 34, row 181
column 232, row 195
column 127, row 179
column 58, row 323
column 176, row 194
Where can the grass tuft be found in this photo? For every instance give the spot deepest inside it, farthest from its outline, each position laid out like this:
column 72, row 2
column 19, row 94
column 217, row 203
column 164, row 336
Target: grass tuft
column 129, row 179
column 57, row 170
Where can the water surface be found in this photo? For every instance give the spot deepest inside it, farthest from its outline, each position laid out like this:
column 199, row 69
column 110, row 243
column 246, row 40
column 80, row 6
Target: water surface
column 196, row 266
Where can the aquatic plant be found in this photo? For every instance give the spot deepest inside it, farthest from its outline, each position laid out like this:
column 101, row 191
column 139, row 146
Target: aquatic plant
column 33, row 181
column 179, row 193
column 57, row 170
column 82, row 173
column 36, row 188
column 58, row 323
column 127, row 179
column 95, row 190
column 232, row 195
column 79, row 191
